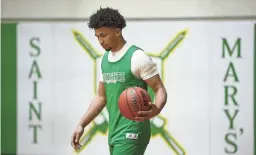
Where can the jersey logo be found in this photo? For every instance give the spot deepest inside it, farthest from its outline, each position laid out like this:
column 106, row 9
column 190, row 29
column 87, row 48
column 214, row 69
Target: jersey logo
column 114, row 77
column 131, row 136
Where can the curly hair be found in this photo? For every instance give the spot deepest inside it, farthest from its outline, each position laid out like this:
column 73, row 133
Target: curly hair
column 106, row 17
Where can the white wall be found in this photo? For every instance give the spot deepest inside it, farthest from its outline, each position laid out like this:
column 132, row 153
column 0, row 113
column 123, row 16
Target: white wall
column 196, row 122
column 129, row 8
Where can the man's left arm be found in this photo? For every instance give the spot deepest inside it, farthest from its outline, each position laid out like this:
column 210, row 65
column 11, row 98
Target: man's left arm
column 144, row 68
column 156, row 84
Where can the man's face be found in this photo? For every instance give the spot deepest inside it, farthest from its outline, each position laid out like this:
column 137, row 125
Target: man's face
column 107, row 37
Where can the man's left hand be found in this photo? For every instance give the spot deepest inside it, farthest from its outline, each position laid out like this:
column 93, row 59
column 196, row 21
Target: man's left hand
column 146, row 115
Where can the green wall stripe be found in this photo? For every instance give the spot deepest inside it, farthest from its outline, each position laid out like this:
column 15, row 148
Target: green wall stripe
column 0, row 97
column 254, row 89
column 8, row 89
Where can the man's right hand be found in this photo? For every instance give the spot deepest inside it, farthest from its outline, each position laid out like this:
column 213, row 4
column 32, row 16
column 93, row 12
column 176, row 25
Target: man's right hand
column 76, row 137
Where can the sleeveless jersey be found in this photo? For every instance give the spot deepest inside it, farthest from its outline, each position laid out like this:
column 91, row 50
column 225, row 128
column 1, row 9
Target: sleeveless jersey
column 117, row 76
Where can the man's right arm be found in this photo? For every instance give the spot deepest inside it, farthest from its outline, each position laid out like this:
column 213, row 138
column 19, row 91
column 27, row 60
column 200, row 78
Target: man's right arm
column 96, row 106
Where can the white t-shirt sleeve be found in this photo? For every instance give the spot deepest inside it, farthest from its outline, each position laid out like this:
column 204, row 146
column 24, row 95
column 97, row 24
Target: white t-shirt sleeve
column 142, row 66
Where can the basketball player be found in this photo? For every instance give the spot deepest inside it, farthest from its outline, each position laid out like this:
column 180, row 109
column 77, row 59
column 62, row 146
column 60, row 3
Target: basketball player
column 123, row 65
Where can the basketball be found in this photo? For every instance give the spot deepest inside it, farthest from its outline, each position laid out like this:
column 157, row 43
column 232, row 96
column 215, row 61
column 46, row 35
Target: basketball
column 132, row 100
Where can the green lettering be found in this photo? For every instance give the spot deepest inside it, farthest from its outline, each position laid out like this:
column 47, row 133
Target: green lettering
column 236, row 47
column 35, row 127
column 34, row 44
column 37, row 112
column 230, row 138
column 231, row 118
column 229, row 94
column 35, row 90
column 35, row 70
column 233, row 73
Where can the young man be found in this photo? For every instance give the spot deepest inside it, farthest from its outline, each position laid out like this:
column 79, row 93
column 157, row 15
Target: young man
column 123, row 65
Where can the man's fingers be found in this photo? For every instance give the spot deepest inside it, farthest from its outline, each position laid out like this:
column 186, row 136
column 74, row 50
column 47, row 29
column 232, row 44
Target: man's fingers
column 143, row 113
column 141, row 119
column 75, row 141
column 77, row 146
column 77, row 138
column 150, row 104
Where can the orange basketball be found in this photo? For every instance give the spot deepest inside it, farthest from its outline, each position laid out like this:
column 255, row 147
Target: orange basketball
column 132, row 100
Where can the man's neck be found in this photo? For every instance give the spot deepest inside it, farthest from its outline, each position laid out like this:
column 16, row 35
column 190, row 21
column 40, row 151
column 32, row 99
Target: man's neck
column 119, row 46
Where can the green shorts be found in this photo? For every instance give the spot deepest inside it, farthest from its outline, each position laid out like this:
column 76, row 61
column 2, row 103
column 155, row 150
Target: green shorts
column 127, row 149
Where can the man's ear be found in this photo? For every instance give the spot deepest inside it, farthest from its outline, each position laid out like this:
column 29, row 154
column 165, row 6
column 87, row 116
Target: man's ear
column 118, row 32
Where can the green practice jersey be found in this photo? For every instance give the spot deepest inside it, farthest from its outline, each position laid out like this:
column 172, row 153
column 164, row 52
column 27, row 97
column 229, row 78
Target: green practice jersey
column 117, row 76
